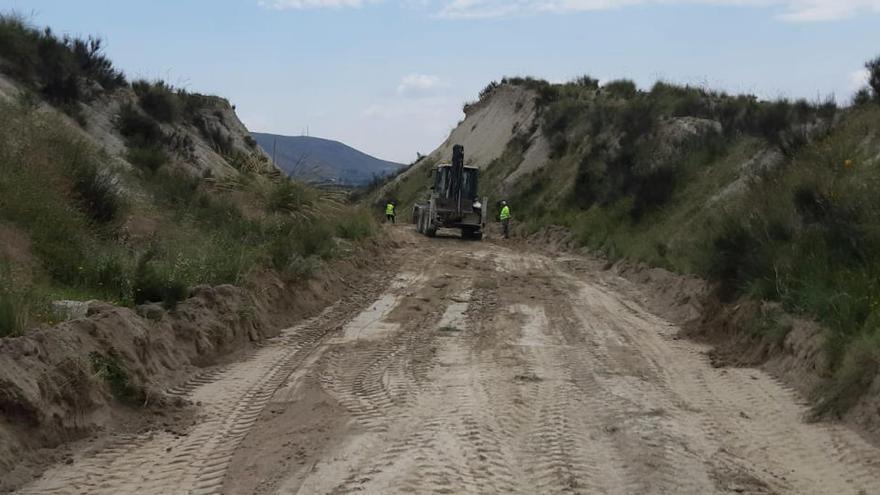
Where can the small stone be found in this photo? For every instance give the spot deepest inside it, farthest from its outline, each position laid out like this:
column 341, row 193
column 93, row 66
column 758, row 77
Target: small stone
column 69, row 310
column 151, row 311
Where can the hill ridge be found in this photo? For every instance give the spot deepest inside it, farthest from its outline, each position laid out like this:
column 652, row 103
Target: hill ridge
column 317, row 159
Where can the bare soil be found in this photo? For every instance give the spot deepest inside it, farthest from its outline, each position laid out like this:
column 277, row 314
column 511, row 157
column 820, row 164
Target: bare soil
column 55, row 405
column 481, row 369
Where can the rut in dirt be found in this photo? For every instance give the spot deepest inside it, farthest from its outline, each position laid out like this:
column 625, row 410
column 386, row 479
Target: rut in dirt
column 479, row 369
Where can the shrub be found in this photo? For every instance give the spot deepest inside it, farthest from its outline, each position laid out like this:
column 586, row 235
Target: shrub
column 636, row 119
column 173, row 188
column 110, row 369
column 299, row 268
column 294, row 248
column 588, row 182
column 220, row 140
column 144, row 138
column 587, row 82
column 355, row 225
column 13, row 314
column 110, row 274
column 313, row 239
column 733, row 257
column 154, row 282
column 621, row 88
column 653, row 188
column 873, row 67
column 291, row 197
column 159, row 100
column 96, row 190
column 139, row 130
column 862, row 97
column 854, row 377
column 149, row 158
column 488, row 90
column 55, row 67
column 772, row 118
column 559, row 117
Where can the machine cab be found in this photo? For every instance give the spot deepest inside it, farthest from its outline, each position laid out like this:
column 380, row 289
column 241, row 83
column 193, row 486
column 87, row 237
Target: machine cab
column 443, row 183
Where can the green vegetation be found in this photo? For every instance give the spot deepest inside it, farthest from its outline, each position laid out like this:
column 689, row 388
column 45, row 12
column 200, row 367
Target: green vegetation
column 873, row 67
column 807, row 236
column 159, row 100
column 13, row 310
column 65, row 70
column 77, row 211
column 652, row 176
column 109, row 368
column 97, row 230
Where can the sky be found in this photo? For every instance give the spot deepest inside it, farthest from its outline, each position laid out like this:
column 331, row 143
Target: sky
column 390, row 77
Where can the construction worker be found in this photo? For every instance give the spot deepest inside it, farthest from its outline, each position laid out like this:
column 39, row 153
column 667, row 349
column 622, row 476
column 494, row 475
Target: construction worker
column 389, row 211
column 505, row 219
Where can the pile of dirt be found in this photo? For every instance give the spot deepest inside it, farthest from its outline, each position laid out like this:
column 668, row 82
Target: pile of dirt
column 79, row 378
column 798, row 358
column 678, row 298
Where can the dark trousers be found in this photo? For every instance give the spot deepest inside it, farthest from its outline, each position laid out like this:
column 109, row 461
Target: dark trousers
column 505, row 227
column 390, row 218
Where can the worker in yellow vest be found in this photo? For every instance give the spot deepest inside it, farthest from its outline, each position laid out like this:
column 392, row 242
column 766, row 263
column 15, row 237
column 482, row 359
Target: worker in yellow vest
column 389, row 211
column 505, row 219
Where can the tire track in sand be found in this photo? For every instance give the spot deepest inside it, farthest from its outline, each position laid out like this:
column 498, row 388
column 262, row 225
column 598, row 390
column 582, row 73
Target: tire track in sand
column 231, row 398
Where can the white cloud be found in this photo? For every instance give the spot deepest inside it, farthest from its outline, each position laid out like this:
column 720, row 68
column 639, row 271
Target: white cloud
column 791, row 10
column 858, row 79
column 794, row 10
column 393, row 134
column 313, row 4
column 828, row 10
column 420, row 85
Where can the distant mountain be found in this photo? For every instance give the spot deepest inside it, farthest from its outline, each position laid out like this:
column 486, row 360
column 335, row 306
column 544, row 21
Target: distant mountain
column 322, row 160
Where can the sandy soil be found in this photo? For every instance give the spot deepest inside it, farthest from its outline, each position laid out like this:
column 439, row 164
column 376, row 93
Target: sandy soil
column 481, row 369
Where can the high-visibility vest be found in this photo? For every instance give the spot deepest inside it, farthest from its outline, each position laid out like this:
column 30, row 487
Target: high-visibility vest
column 505, row 213
column 389, row 210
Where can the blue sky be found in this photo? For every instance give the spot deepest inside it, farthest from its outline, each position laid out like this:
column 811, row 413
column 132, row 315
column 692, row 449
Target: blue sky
column 390, row 76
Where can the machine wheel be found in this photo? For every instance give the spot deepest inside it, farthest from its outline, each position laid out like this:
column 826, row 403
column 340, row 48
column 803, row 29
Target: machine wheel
column 471, row 233
column 420, row 226
column 430, row 231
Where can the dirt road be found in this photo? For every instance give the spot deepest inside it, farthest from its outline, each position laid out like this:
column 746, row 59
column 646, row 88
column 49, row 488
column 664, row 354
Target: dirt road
column 479, row 369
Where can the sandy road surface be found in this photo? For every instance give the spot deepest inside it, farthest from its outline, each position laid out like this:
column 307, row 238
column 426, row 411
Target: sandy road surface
column 478, row 369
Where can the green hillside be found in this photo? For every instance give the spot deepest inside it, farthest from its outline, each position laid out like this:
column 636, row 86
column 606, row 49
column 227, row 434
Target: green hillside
column 135, row 192
column 771, row 200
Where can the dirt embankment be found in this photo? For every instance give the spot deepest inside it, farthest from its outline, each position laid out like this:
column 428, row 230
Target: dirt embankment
column 486, row 131
column 796, row 355
column 102, row 373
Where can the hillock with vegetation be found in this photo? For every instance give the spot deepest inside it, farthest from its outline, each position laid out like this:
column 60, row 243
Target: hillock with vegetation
column 134, row 193
column 143, row 234
column 771, row 200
